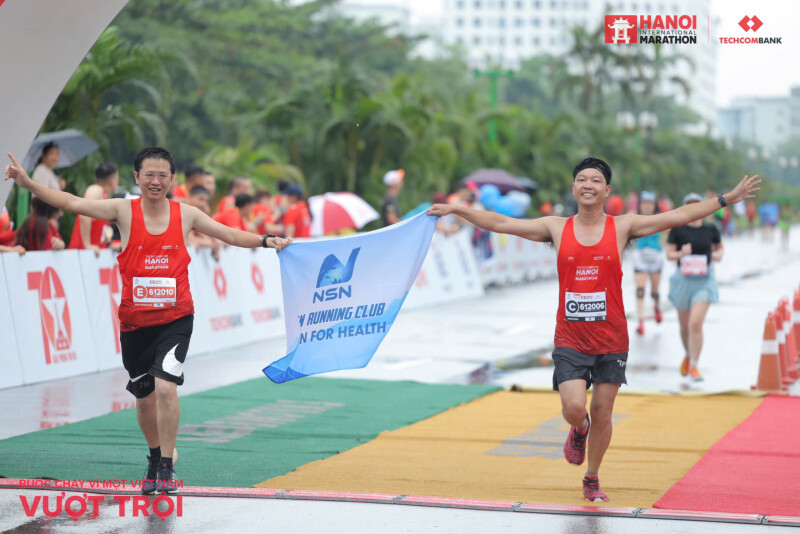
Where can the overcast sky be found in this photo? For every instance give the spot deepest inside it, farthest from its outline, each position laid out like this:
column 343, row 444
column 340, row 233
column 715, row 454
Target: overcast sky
column 743, row 70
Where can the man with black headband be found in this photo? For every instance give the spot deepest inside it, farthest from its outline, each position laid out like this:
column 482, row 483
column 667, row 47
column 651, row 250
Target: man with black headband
column 591, row 338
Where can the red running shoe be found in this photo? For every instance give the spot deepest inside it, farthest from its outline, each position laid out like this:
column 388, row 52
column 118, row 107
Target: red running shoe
column 592, row 491
column 640, row 328
column 575, row 447
column 658, row 315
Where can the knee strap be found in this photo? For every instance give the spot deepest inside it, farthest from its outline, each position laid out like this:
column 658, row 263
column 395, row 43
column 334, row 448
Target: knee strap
column 639, row 292
column 654, row 295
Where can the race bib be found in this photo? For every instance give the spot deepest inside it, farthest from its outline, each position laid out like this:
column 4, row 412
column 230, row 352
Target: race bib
column 585, row 306
column 694, row 265
column 153, row 292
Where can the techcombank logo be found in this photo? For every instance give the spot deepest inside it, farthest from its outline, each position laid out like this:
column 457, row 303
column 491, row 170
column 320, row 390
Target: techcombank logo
column 750, row 25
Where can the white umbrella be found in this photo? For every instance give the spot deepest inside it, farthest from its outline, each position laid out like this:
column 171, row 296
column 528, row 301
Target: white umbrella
column 332, row 212
column 73, row 146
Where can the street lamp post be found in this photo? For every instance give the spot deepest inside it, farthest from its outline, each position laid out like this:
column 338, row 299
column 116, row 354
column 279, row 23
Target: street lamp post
column 647, row 122
column 494, row 74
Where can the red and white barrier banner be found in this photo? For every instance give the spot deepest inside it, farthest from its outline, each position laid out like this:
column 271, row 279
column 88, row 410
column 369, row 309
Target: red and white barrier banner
column 515, row 259
column 11, row 374
column 263, row 302
column 51, row 320
column 234, row 305
column 102, row 285
column 449, row 273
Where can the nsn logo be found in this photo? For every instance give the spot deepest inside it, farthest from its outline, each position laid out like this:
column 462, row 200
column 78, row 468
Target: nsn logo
column 334, row 272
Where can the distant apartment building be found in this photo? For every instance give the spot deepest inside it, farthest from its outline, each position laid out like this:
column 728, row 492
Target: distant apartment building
column 765, row 121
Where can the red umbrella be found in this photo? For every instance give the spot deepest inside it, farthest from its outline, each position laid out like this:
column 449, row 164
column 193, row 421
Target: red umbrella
column 332, row 212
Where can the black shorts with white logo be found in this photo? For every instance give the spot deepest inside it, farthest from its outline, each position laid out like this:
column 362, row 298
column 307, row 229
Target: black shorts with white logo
column 155, row 351
column 598, row 369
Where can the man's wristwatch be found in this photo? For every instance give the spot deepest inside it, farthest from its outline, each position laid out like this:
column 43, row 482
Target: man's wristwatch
column 721, row 200
column 264, row 240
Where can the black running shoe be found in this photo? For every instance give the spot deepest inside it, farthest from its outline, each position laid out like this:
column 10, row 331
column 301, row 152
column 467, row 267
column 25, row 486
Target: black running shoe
column 166, row 481
column 149, row 479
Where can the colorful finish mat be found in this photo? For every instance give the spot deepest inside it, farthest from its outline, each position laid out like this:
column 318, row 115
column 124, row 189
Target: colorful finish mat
column 754, row 469
column 236, row 435
column 508, row 446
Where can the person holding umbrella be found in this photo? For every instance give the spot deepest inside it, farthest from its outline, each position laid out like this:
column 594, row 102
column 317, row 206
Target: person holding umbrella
column 43, row 173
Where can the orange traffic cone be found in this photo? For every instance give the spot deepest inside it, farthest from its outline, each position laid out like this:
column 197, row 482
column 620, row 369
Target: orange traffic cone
column 769, row 371
column 791, row 341
column 782, row 352
column 796, row 324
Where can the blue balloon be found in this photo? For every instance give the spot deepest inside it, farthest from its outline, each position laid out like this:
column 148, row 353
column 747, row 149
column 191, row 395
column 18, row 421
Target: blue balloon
column 521, row 201
column 489, row 193
column 504, row 206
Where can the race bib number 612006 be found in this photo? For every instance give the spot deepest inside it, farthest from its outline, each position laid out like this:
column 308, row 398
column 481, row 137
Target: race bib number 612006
column 151, row 291
column 585, row 306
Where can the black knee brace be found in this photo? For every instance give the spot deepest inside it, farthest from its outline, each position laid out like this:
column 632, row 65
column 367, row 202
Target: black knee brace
column 655, row 296
column 639, row 292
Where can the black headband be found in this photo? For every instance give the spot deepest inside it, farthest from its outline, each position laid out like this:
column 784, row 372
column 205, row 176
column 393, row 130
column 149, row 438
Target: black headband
column 589, row 166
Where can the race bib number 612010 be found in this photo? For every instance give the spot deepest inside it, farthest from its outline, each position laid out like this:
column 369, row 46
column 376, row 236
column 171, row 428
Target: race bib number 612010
column 151, row 291
column 585, row 306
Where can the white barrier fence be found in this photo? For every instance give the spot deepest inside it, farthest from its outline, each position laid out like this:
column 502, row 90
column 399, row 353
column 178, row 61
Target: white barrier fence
column 58, row 310
column 514, row 260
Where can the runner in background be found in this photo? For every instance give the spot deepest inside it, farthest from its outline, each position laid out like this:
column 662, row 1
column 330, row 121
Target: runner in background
column 591, row 338
column 648, row 260
column 156, row 312
column 693, row 287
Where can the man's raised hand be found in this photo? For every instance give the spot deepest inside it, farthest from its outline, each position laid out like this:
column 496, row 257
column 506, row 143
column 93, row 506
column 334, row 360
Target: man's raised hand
column 745, row 190
column 14, row 171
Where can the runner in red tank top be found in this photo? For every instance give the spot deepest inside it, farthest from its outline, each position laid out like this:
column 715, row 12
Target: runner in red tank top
column 156, row 309
column 591, row 339
column 88, row 233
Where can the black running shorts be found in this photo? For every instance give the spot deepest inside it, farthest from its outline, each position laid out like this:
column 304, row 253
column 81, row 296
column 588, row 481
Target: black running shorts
column 599, row 369
column 155, row 351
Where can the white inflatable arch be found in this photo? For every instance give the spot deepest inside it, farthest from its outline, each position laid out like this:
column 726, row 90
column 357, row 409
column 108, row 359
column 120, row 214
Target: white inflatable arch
column 42, row 42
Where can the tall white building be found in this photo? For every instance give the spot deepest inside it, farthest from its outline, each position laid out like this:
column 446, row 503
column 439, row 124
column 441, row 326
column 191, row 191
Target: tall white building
column 767, row 122
column 505, row 32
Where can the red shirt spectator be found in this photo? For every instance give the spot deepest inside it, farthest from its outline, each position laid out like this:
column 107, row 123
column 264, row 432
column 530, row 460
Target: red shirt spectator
column 298, row 216
column 226, row 203
column 179, row 192
column 259, row 210
column 231, row 217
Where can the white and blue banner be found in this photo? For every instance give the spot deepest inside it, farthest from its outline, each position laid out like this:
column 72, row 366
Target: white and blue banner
column 341, row 296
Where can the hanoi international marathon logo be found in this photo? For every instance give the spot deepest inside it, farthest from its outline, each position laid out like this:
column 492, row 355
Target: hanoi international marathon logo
column 621, row 29
column 651, row 29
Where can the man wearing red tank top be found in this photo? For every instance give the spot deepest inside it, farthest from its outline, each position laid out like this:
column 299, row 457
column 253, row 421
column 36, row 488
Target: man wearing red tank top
column 591, row 338
column 156, row 311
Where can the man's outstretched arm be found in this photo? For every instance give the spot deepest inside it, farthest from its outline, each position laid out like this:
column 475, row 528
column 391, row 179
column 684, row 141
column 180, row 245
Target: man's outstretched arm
column 642, row 225
column 107, row 210
column 533, row 229
column 204, row 224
